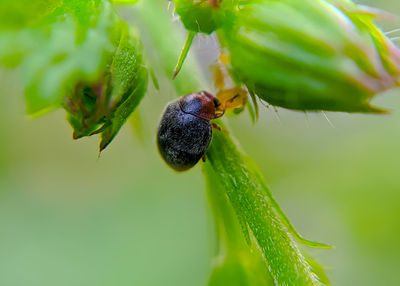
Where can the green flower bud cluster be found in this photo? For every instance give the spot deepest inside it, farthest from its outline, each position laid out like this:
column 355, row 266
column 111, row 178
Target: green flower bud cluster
column 105, row 106
column 302, row 55
column 311, row 55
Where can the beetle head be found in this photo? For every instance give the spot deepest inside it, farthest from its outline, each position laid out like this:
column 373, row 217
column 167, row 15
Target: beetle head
column 201, row 104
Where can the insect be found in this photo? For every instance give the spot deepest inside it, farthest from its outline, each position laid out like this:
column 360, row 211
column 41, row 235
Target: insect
column 185, row 129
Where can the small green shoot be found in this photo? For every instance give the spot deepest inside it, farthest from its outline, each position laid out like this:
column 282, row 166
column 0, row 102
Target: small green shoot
column 184, row 53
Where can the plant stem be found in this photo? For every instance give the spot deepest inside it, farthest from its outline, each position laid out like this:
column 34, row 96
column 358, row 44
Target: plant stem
column 241, row 181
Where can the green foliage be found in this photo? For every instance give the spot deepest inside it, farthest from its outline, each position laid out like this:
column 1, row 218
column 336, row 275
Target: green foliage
column 80, row 56
column 242, row 183
column 24, row 13
column 237, row 261
column 336, row 59
column 308, row 55
column 126, row 85
column 104, row 107
column 253, row 248
column 66, row 48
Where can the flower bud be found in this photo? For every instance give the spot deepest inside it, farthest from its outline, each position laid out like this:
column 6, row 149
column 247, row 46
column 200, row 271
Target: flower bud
column 311, row 54
column 204, row 16
column 84, row 109
column 105, row 106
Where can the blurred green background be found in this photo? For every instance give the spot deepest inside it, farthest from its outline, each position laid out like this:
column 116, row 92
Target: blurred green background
column 69, row 218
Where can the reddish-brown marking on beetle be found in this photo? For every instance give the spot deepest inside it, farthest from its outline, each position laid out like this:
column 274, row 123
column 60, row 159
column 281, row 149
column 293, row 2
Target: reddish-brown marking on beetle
column 208, row 102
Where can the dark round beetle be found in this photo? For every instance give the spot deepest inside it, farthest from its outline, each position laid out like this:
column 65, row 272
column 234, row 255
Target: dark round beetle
column 185, row 130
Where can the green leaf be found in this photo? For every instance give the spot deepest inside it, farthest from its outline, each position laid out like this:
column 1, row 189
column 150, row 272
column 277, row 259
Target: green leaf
column 19, row 14
column 68, row 46
column 127, row 84
column 105, row 106
column 238, row 262
column 317, row 269
column 244, row 187
column 81, row 56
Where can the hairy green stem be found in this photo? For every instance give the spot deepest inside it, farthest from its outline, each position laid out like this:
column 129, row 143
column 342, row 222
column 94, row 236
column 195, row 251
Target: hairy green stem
column 246, row 191
column 236, row 262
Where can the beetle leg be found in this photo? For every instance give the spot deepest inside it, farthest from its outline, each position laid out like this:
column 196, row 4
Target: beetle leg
column 203, row 158
column 217, row 127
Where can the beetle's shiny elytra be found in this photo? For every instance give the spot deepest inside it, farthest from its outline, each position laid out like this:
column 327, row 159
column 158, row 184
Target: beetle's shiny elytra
column 185, row 130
